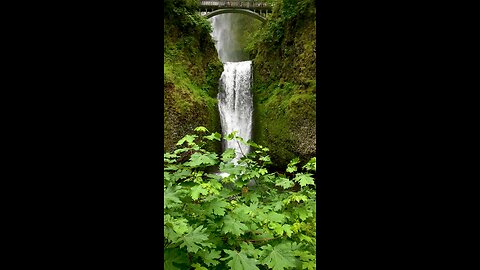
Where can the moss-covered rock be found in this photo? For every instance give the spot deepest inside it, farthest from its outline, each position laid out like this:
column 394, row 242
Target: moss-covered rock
column 191, row 73
column 284, row 86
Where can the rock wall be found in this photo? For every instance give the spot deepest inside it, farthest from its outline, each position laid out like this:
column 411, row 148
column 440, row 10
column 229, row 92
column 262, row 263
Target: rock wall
column 191, row 73
column 284, row 87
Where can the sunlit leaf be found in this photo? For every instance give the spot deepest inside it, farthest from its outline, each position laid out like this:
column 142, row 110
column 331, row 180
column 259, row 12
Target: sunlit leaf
column 284, row 183
column 311, row 164
column 228, row 155
column 188, row 138
column 304, row 179
column 201, row 129
column 214, row 136
column 196, row 191
column 231, row 136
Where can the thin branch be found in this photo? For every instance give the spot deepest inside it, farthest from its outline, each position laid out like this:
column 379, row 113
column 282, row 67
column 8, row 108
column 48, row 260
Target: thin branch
column 240, row 148
column 264, row 239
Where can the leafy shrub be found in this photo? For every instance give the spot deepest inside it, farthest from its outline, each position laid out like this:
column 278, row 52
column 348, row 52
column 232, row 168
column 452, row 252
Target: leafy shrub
column 250, row 219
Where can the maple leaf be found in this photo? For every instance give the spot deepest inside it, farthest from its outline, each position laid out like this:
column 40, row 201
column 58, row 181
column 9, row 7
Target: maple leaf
column 240, row 261
column 217, row 207
column 277, row 206
column 252, row 209
column 228, row 155
column 170, row 197
column 198, row 159
column 233, row 226
column 291, row 167
column 201, row 129
column 284, row 183
column 279, row 257
column 275, row 217
column 287, row 229
column 311, row 265
column 210, row 258
column 304, row 179
column 179, row 226
column 304, row 213
column 250, row 250
column 196, row 190
column 188, row 138
column 214, row 136
column 180, row 174
column 252, row 197
column 194, row 239
column 231, row 136
column 252, row 143
column 277, row 228
column 311, row 164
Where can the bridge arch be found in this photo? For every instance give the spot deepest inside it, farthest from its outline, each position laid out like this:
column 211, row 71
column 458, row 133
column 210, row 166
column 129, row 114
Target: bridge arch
column 236, row 10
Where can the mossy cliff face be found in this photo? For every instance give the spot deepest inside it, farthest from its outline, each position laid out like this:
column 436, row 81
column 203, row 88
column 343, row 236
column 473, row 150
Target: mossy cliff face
column 284, row 86
column 191, row 73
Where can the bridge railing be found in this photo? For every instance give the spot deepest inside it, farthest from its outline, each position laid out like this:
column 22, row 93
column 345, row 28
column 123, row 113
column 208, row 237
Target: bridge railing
column 235, row 4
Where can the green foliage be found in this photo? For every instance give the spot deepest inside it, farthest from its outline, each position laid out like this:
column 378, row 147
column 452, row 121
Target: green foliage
column 284, row 82
column 214, row 222
column 191, row 73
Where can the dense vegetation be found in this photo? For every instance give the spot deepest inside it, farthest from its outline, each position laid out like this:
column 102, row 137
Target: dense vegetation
column 263, row 215
column 212, row 222
column 284, row 87
column 191, row 73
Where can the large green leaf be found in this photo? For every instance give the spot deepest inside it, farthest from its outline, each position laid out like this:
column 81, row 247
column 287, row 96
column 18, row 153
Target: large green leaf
column 240, row 261
column 210, row 258
column 201, row 129
column 284, row 183
column 311, row 164
column 216, row 206
column 275, row 217
column 171, row 197
column 304, row 179
column 196, row 191
column 198, row 159
column 279, row 257
column 188, row 138
column 231, row 225
column 195, row 239
column 228, row 155
column 291, row 167
column 214, row 136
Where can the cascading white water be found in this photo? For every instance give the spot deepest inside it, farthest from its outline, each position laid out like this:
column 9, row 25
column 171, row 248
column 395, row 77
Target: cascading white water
column 225, row 33
column 234, row 96
column 235, row 104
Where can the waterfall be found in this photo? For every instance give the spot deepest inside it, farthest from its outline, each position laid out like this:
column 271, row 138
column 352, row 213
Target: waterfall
column 234, row 97
column 225, row 34
column 235, row 104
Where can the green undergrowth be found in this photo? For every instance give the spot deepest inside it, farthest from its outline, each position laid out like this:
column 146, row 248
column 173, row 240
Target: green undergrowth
column 219, row 223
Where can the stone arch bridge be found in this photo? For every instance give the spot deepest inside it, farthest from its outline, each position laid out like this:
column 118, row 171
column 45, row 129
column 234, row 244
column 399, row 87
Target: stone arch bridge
column 254, row 8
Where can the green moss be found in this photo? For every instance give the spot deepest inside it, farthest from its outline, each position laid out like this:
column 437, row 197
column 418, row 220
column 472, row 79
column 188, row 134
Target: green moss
column 284, row 86
column 191, row 73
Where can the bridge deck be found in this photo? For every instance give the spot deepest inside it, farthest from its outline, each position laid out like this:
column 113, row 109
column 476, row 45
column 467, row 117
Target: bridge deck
column 245, row 4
